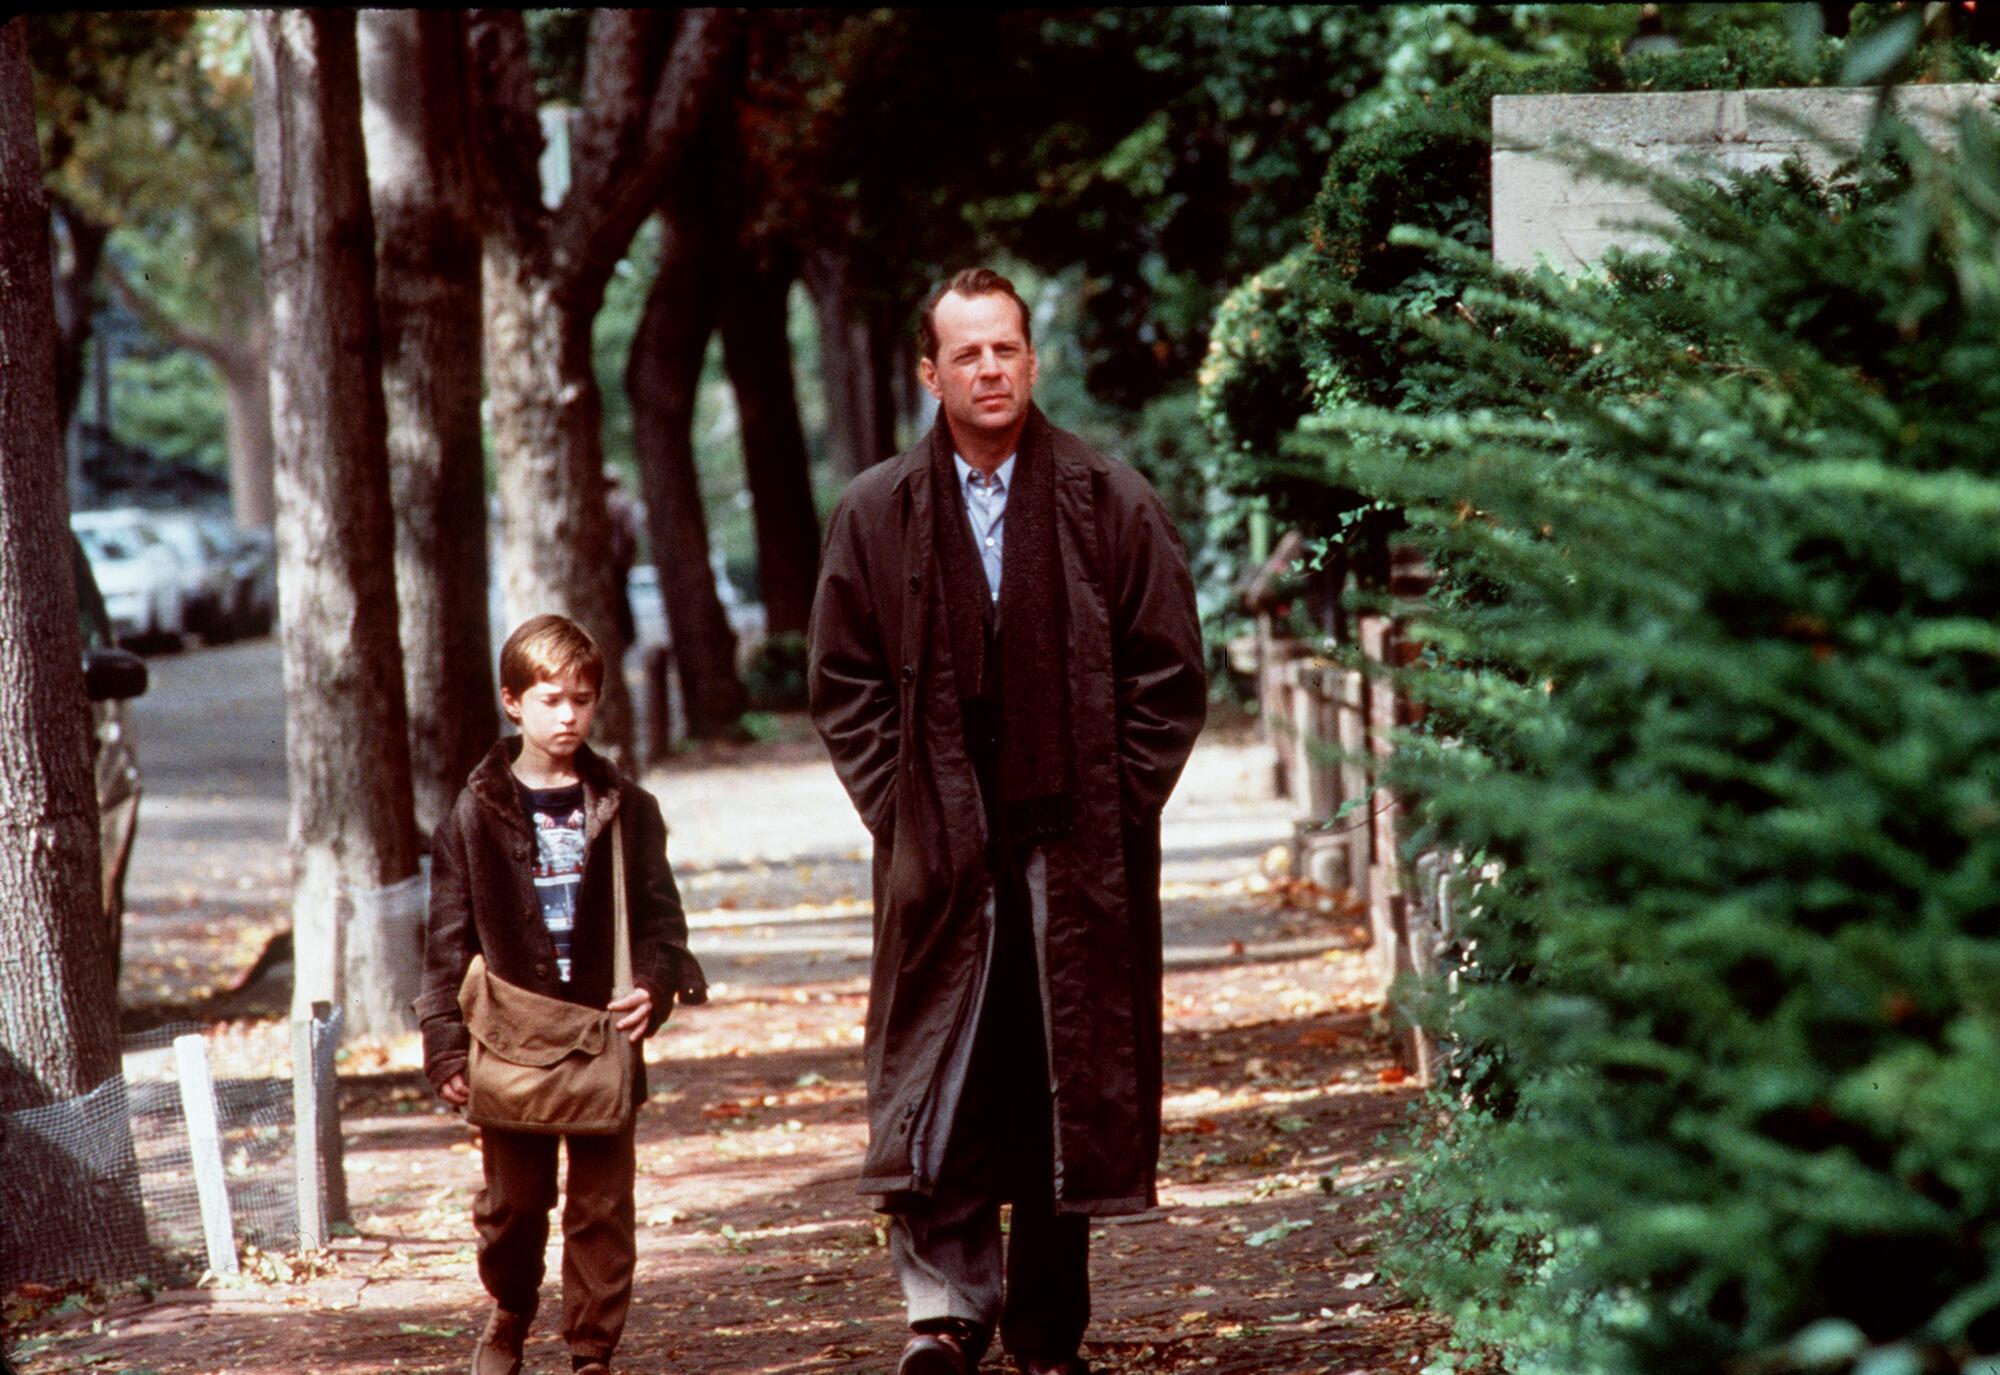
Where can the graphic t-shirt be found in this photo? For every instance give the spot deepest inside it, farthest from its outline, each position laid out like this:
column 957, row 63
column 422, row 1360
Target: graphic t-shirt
column 557, row 816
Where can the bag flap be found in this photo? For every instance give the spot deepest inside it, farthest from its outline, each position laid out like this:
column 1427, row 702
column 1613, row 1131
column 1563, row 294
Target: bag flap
column 523, row 1026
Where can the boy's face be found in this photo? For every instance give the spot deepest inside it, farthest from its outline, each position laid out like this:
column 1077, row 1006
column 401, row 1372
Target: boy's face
column 554, row 714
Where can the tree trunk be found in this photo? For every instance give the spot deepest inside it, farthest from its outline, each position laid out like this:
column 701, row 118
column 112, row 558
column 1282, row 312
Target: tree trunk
column 649, row 79
column 427, row 290
column 347, row 741
column 757, row 351
column 59, row 1012
column 859, row 417
column 662, row 377
column 878, row 338
column 896, row 355
column 58, row 987
column 246, row 386
column 555, row 532
column 76, row 262
column 242, row 359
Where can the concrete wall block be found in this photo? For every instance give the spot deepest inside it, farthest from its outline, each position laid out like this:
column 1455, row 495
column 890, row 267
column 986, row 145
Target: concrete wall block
column 1631, row 120
column 1545, row 208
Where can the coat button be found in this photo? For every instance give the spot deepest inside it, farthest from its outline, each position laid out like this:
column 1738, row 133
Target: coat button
column 909, row 673
column 541, row 971
column 916, row 583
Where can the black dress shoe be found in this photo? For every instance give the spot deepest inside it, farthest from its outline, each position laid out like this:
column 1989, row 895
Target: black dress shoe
column 934, row 1353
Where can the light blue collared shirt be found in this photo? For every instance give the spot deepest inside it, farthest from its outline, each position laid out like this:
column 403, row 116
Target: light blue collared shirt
column 986, row 507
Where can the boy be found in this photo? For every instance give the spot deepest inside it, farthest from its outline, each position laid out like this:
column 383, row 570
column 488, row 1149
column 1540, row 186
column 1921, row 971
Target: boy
column 521, row 872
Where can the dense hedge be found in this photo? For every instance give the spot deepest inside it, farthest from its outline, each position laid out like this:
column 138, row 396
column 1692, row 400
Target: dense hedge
column 1287, row 342
column 1715, row 685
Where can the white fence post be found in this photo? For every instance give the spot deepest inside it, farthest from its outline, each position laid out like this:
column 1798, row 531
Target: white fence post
column 205, row 1150
column 306, row 1178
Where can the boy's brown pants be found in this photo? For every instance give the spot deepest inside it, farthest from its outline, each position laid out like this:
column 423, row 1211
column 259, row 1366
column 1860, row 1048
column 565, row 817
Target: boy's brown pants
column 599, row 1246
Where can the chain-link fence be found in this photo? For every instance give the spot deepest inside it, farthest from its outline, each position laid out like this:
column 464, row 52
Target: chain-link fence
column 105, row 1185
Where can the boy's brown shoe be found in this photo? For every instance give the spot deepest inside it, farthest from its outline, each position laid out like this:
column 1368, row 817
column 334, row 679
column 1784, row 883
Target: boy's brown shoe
column 498, row 1351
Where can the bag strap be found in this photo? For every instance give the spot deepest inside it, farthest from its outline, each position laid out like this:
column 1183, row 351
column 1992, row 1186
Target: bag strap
column 621, row 939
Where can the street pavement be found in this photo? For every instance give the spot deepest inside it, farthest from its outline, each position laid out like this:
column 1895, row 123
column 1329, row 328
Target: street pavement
column 772, row 861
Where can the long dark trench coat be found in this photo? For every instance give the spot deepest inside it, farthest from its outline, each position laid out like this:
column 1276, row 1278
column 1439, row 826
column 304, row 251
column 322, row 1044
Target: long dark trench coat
column 886, row 702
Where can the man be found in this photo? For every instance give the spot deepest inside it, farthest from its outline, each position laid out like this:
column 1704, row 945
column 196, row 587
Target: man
column 1006, row 668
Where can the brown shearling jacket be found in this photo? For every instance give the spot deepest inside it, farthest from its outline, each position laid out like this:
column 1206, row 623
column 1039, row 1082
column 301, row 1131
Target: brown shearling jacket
column 483, row 902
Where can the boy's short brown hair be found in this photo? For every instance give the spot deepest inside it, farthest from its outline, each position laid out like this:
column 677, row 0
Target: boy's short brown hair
column 549, row 649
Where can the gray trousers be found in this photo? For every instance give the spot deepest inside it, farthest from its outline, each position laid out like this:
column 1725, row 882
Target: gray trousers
column 947, row 1248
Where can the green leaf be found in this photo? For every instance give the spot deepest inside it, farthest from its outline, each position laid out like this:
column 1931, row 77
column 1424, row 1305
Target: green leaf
column 1900, row 1360
column 1829, row 1341
column 1875, row 56
column 1277, row 1231
column 1804, row 27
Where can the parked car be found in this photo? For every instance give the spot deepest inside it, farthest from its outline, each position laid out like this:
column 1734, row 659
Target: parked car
column 138, row 575
column 111, row 675
column 208, row 584
column 254, row 573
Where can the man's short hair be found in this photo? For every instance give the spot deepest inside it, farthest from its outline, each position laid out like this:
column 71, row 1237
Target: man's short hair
column 549, row 649
column 973, row 281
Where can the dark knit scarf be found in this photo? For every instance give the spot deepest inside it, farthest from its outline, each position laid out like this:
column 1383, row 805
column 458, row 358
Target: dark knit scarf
column 1027, row 677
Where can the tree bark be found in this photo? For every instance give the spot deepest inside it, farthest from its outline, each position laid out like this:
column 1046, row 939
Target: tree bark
column 347, row 741
column 647, row 83
column 886, row 352
column 75, row 262
column 58, row 986
column 861, row 419
column 757, row 352
column 246, row 386
column 58, row 1005
column 896, row 371
column 662, row 376
column 427, row 291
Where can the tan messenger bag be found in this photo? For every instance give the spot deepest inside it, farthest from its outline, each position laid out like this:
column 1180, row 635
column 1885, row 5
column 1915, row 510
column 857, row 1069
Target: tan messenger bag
column 539, row 1064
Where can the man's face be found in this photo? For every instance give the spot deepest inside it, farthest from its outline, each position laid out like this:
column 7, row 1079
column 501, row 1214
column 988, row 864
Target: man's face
column 554, row 714
column 984, row 372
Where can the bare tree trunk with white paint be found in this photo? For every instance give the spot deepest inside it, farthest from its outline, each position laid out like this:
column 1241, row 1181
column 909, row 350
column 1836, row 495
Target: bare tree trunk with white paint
column 347, row 742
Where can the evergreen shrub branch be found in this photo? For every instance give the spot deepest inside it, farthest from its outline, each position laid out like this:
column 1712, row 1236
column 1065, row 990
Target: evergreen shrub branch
column 1713, row 678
